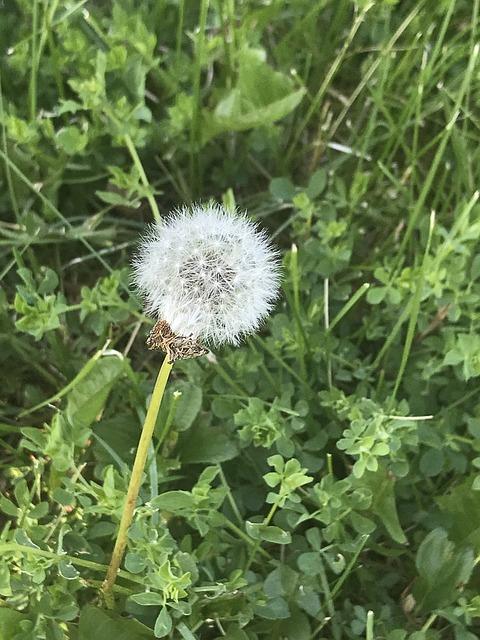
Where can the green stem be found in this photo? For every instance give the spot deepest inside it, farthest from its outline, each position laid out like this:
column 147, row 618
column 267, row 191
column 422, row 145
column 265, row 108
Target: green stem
column 14, row 548
column 143, row 177
column 415, row 309
column 301, row 337
column 245, row 537
column 257, row 546
column 168, row 421
column 135, row 482
column 181, row 15
column 429, row 622
column 197, row 72
column 34, row 69
column 326, row 314
column 80, row 375
column 11, row 190
column 316, row 102
column 349, row 304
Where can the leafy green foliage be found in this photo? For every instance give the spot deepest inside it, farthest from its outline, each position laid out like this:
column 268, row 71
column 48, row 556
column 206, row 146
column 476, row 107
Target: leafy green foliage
column 96, row 624
column 442, row 569
column 321, row 480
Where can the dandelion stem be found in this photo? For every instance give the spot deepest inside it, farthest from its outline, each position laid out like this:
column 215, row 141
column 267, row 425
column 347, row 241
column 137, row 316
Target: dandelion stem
column 135, row 482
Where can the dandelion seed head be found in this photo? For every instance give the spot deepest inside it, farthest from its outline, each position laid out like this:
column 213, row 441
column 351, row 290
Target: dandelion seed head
column 210, row 274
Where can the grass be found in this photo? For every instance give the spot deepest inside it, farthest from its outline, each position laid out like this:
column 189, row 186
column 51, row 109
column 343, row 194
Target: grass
column 321, row 480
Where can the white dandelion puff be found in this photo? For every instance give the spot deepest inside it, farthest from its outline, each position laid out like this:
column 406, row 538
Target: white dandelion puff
column 211, row 275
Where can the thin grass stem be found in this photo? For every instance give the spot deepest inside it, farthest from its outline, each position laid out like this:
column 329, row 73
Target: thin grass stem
column 143, row 177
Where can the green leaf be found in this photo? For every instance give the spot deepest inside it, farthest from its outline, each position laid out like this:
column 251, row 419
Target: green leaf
column 232, row 114
column 67, row 570
column 148, row 599
column 261, row 97
column 134, row 562
column 275, row 609
column 63, row 497
column 5, row 586
column 375, row 295
column 431, row 462
column 475, row 268
column 116, row 436
column 317, row 183
column 467, row 352
column 282, row 189
column 163, row 624
column 383, row 505
column 88, row 397
column 308, row 600
column 188, row 405
column 272, row 479
column 97, row 624
column 443, row 569
column 71, row 140
column 174, row 501
column 22, row 538
column 9, row 621
column 117, row 199
column 207, row 445
column 259, row 531
column 310, row 563
column 41, row 317
column 361, row 523
column 39, row 511
column 8, row 507
column 297, row 627
column 462, row 507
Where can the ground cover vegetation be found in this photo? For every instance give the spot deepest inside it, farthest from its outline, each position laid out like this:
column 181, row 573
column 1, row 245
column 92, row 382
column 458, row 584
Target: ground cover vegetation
column 321, row 480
